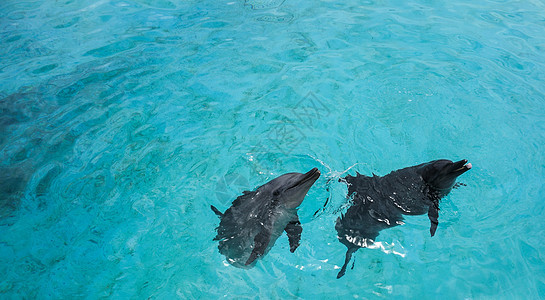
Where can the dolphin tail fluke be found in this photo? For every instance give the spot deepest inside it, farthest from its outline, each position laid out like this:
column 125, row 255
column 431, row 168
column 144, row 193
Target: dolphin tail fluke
column 349, row 253
column 216, row 211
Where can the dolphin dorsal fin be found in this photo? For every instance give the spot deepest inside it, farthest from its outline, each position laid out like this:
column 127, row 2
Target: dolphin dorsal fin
column 458, row 184
column 216, row 211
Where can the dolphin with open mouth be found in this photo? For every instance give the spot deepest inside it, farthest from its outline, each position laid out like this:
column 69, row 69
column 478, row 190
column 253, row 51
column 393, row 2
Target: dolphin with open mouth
column 250, row 227
column 380, row 202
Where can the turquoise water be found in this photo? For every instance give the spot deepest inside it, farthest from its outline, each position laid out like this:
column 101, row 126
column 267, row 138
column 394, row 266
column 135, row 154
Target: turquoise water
column 123, row 121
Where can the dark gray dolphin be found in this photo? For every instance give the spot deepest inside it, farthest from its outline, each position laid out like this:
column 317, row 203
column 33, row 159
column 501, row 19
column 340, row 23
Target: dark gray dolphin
column 380, row 202
column 249, row 228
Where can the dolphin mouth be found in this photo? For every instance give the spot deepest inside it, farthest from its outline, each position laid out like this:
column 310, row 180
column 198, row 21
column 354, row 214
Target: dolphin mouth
column 311, row 175
column 460, row 167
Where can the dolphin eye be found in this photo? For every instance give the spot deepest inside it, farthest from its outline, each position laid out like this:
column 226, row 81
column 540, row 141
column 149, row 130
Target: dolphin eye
column 276, row 193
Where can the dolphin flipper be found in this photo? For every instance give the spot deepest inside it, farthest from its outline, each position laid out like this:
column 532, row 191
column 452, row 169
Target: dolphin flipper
column 261, row 241
column 433, row 214
column 294, row 229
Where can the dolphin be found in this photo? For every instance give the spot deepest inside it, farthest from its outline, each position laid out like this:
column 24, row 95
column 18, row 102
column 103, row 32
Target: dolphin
column 249, row 228
column 380, row 202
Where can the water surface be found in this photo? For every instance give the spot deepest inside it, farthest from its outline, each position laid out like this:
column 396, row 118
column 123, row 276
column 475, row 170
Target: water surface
column 123, row 121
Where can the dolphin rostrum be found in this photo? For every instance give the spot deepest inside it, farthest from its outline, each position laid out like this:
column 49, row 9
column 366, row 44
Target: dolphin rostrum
column 380, row 202
column 249, row 228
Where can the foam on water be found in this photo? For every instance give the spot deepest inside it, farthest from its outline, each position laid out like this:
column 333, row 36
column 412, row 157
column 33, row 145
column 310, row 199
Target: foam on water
column 122, row 121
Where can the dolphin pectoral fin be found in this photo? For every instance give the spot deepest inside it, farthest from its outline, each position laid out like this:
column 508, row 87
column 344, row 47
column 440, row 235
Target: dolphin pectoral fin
column 261, row 241
column 216, row 211
column 349, row 253
column 294, row 229
column 433, row 214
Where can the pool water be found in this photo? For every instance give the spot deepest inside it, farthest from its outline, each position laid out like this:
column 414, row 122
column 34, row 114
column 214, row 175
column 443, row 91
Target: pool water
column 123, row 121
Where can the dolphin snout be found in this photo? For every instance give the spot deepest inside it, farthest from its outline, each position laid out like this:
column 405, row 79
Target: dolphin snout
column 461, row 166
column 313, row 175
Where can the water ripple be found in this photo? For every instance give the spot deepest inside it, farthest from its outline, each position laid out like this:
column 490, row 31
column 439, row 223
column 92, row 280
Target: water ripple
column 120, row 120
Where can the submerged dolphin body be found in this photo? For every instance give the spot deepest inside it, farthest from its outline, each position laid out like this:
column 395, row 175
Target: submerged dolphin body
column 249, row 228
column 380, row 202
